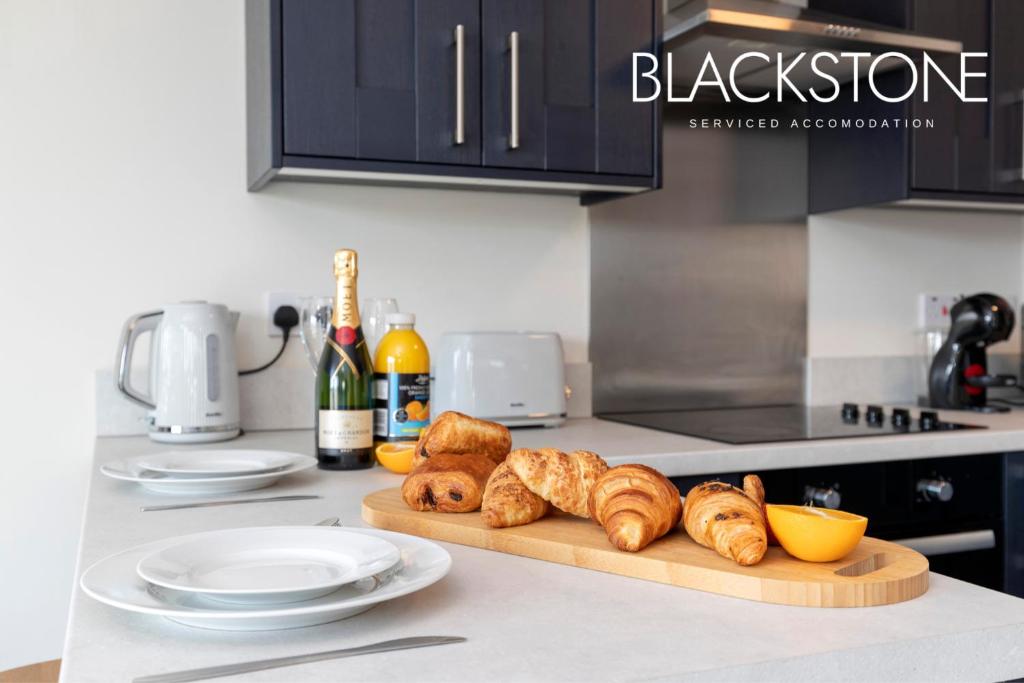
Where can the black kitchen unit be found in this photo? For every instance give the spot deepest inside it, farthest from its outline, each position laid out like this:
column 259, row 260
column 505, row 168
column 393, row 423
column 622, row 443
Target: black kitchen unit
column 964, row 513
column 974, row 153
column 529, row 95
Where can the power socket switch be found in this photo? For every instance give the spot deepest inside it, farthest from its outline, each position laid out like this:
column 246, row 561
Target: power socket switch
column 274, row 301
column 933, row 310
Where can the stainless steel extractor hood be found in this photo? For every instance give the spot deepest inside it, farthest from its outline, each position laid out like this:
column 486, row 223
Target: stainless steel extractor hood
column 728, row 28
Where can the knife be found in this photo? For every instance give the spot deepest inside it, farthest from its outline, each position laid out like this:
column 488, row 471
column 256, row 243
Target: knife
column 263, row 664
column 214, row 503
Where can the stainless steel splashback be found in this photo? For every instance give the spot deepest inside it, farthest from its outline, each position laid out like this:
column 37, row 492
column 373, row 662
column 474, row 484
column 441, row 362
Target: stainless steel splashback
column 699, row 290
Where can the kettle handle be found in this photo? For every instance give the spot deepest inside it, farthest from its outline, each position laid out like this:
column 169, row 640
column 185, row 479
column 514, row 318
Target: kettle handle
column 133, row 328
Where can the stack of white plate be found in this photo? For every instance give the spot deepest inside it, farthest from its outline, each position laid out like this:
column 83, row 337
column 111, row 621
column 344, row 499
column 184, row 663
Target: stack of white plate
column 262, row 578
column 208, row 471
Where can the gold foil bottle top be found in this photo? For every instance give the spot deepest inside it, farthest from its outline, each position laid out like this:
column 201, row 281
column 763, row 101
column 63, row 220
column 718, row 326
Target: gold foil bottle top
column 346, row 310
column 345, row 264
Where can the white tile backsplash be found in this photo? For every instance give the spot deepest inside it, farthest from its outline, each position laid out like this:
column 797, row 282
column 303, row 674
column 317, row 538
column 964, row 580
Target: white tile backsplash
column 277, row 398
column 887, row 379
column 884, row 379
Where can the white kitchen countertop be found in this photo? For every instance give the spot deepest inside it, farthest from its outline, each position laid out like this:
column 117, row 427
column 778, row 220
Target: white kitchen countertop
column 532, row 620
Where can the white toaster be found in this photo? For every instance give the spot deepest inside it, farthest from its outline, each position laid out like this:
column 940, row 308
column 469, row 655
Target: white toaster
column 515, row 378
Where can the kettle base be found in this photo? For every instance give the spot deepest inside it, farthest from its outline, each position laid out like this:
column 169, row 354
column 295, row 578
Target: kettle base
column 193, row 434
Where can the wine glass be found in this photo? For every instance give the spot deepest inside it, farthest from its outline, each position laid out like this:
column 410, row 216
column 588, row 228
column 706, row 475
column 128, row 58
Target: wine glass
column 314, row 321
column 374, row 319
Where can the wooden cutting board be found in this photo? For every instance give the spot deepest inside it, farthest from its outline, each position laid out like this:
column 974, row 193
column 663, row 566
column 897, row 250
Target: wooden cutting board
column 876, row 573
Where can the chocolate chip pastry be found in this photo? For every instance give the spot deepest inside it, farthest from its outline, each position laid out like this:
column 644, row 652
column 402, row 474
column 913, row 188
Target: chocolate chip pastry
column 458, row 434
column 448, row 483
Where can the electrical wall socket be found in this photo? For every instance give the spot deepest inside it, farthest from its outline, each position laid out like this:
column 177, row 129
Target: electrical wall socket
column 933, row 310
column 274, row 301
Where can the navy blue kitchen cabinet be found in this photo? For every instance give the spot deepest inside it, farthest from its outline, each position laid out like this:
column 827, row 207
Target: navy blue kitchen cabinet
column 374, row 79
column 975, row 151
column 572, row 83
column 531, row 95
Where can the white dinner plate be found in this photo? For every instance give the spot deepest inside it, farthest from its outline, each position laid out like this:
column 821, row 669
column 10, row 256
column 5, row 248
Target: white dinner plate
column 161, row 482
column 221, row 462
column 114, row 581
column 267, row 565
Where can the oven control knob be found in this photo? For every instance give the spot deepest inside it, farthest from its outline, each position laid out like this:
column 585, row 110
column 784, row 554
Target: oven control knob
column 822, row 496
column 929, row 420
column 900, row 418
column 850, row 412
column 875, row 415
column 935, row 489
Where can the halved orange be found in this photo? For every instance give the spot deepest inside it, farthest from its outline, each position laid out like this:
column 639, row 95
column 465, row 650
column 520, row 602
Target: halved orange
column 816, row 534
column 396, row 457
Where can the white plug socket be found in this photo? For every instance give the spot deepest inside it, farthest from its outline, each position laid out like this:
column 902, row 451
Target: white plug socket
column 933, row 310
column 274, row 301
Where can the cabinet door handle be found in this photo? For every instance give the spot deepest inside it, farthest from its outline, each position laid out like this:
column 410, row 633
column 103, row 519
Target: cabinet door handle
column 513, row 51
column 460, row 84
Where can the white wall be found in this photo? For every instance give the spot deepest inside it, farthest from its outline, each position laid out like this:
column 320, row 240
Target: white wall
column 868, row 267
column 122, row 186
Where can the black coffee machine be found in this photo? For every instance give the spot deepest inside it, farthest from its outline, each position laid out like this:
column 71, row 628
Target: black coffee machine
column 958, row 378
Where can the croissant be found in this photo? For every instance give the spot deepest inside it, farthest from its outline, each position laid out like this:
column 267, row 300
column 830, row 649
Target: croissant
column 636, row 505
column 563, row 479
column 720, row 516
column 455, row 433
column 448, row 483
column 754, row 489
column 507, row 501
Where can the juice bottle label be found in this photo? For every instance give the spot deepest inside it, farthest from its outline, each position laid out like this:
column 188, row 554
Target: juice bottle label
column 402, row 405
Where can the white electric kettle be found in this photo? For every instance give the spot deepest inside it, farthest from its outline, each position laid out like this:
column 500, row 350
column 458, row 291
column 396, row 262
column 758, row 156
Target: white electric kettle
column 193, row 372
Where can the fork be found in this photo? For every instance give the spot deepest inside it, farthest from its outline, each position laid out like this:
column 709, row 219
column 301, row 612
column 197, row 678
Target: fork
column 380, row 578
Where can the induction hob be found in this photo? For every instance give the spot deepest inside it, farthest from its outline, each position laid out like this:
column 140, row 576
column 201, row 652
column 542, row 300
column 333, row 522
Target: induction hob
column 770, row 424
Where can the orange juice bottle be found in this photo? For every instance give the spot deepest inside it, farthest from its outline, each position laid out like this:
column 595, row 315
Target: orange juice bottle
column 401, row 382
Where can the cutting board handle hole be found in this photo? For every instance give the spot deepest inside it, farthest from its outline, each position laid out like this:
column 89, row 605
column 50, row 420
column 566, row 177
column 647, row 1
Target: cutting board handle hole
column 867, row 565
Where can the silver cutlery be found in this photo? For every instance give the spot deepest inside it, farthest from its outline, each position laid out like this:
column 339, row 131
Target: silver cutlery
column 215, row 503
column 378, row 579
column 263, row 664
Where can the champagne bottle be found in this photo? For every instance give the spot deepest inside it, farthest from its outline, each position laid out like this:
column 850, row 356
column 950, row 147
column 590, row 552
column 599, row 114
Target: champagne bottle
column 344, row 380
